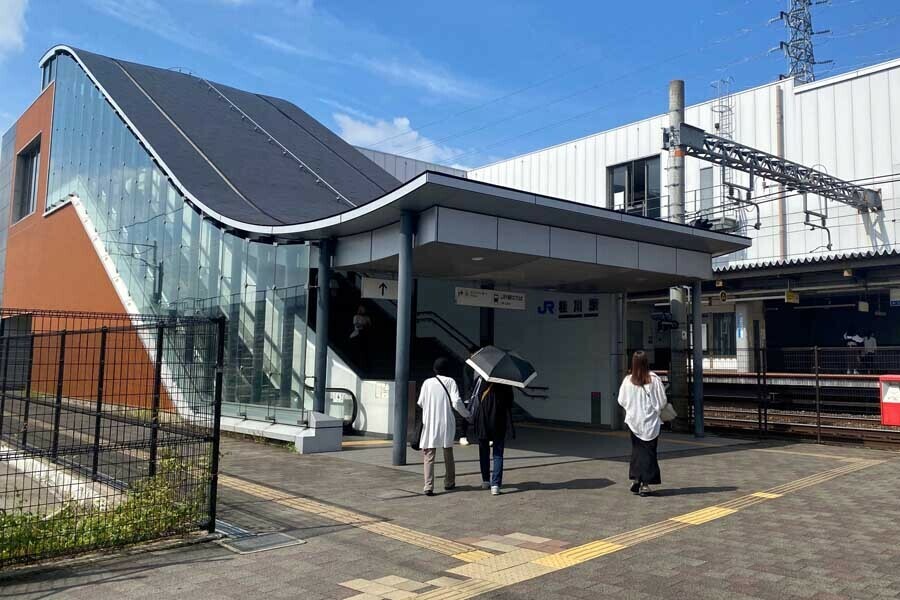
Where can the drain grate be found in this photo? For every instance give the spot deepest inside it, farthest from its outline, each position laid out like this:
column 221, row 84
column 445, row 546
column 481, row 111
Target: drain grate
column 260, row 543
column 232, row 531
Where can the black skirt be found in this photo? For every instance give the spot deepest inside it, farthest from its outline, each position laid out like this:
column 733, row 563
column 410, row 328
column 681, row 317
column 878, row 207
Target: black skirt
column 644, row 467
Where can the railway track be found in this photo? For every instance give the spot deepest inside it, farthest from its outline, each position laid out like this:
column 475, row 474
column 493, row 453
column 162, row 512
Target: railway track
column 833, row 427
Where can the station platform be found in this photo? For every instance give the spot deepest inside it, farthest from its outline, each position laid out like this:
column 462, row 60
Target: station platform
column 732, row 519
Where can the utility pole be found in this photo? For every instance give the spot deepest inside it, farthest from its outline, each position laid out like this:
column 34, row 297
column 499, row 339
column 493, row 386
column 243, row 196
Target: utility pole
column 678, row 384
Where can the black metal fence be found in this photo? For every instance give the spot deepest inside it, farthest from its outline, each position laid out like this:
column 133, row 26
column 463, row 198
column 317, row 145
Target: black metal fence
column 826, row 393
column 109, row 429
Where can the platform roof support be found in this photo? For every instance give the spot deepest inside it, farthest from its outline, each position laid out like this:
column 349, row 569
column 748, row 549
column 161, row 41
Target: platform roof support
column 404, row 329
column 323, row 301
column 697, row 320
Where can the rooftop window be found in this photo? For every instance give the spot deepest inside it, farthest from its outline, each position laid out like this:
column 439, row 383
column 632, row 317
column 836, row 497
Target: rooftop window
column 634, row 187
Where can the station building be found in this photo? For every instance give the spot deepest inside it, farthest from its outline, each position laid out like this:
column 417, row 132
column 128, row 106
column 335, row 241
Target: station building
column 816, row 270
column 128, row 188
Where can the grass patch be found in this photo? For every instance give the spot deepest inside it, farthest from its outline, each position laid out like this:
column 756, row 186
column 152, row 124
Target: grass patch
column 173, row 501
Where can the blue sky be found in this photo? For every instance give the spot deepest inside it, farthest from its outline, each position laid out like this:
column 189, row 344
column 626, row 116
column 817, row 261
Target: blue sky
column 460, row 82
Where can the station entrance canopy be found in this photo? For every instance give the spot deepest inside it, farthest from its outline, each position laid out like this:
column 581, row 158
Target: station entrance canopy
column 466, row 230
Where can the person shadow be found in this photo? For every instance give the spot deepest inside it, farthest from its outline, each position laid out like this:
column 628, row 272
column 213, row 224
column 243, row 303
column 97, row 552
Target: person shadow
column 690, row 491
column 572, row 484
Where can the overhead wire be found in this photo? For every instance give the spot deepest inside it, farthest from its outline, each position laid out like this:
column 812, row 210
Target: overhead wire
column 511, row 94
column 465, row 153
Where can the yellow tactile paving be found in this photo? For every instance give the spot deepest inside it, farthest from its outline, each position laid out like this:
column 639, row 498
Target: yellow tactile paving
column 810, row 454
column 518, row 573
column 510, row 559
column 649, row 532
column 766, row 495
column 744, row 501
column 704, row 515
column 466, row 589
column 472, row 556
column 347, row 517
column 364, row 443
column 579, row 554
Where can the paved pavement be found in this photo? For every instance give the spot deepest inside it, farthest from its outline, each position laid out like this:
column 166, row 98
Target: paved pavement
column 733, row 519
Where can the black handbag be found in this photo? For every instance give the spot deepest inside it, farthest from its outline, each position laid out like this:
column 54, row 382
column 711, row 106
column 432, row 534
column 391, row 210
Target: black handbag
column 417, row 430
column 417, row 434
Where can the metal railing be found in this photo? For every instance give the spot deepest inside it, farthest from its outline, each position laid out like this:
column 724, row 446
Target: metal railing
column 107, row 436
column 535, row 392
column 821, row 392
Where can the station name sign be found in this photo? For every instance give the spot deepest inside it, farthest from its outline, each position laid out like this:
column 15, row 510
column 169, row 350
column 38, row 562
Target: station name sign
column 490, row 298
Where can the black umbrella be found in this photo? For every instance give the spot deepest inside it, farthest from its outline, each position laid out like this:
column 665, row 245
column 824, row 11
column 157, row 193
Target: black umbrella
column 502, row 366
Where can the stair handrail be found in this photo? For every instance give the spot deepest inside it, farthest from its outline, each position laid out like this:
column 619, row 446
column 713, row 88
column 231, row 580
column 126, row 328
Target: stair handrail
column 448, row 325
column 456, row 334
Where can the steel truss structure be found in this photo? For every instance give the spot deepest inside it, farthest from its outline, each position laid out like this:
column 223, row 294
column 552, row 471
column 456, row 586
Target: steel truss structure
column 793, row 176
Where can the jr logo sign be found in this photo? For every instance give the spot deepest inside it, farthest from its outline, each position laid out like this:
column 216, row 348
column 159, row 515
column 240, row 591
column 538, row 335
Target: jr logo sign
column 547, row 308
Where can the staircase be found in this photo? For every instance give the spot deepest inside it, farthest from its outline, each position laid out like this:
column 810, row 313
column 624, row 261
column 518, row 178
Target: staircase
column 381, row 345
column 372, row 354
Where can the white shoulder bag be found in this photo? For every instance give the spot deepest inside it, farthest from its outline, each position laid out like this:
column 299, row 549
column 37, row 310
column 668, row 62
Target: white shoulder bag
column 667, row 413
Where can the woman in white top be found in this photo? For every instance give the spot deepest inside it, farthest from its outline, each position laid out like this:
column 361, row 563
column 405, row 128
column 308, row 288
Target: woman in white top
column 643, row 397
column 438, row 397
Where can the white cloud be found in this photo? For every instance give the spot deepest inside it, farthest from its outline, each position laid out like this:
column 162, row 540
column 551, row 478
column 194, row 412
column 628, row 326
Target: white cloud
column 319, row 35
column 12, row 27
column 395, row 136
column 155, row 18
column 349, row 110
column 425, row 76
column 293, row 49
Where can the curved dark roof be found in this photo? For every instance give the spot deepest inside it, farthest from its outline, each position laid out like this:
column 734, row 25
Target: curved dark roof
column 215, row 140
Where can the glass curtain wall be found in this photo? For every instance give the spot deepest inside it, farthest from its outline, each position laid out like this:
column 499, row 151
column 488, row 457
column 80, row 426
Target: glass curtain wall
column 173, row 260
column 7, row 152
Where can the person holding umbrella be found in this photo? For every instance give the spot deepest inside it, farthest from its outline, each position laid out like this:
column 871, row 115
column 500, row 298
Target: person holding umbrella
column 499, row 371
column 493, row 415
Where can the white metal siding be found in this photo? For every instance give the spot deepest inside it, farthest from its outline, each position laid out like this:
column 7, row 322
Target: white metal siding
column 848, row 125
column 404, row 168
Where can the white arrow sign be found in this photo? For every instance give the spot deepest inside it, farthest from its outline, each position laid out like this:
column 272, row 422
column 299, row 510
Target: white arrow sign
column 385, row 289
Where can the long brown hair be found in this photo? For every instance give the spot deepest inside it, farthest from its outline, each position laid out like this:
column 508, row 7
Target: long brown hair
column 640, row 368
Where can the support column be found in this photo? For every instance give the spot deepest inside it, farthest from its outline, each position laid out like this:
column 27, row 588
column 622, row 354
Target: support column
column 323, row 301
column 618, row 361
column 678, row 380
column 404, row 321
column 697, row 320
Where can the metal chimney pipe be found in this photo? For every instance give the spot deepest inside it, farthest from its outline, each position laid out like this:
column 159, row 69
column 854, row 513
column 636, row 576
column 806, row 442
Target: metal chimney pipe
column 676, row 153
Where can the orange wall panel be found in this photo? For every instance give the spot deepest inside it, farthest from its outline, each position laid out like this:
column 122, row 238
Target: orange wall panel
column 51, row 264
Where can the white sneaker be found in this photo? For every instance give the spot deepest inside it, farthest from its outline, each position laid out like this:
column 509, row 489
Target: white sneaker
column 463, row 441
column 491, row 444
column 495, row 490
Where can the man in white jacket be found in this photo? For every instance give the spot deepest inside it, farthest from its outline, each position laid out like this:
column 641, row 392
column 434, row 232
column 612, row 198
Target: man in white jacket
column 438, row 398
